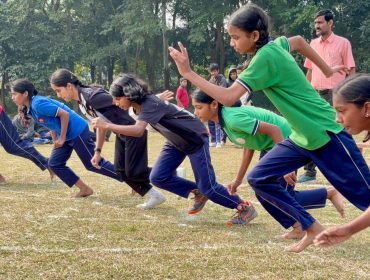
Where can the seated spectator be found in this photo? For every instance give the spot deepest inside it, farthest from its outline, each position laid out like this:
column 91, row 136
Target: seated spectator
column 25, row 126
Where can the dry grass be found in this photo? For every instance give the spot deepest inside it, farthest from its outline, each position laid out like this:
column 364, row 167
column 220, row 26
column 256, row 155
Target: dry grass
column 45, row 234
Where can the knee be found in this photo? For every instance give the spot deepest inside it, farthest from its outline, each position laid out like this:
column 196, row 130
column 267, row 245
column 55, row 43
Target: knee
column 253, row 179
column 158, row 179
column 53, row 164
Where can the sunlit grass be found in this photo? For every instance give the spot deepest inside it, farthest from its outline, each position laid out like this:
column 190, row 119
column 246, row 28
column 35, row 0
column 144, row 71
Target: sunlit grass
column 46, row 234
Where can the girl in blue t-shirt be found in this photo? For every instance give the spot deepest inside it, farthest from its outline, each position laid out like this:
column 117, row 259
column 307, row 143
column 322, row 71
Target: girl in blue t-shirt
column 351, row 100
column 315, row 137
column 186, row 137
column 69, row 132
column 268, row 129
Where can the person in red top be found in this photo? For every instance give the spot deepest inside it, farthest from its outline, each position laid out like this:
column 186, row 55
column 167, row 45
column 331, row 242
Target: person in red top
column 182, row 96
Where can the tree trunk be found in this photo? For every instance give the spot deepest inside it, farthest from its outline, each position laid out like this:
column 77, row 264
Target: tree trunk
column 166, row 70
column 110, row 69
column 149, row 62
column 93, row 73
column 4, row 80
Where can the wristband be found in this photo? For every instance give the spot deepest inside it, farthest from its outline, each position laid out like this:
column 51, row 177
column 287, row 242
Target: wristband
column 97, row 150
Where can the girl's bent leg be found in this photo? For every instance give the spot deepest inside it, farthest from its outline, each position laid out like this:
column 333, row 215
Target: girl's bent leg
column 206, row 179
column 163, row 174
column 284, row 158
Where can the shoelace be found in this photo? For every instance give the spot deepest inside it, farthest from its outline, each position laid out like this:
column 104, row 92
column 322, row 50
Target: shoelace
column 238, row 214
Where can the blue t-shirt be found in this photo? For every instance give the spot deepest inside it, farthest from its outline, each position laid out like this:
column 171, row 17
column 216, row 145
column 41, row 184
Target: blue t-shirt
column 44, row 110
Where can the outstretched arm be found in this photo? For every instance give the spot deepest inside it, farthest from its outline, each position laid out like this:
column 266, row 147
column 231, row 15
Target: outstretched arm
column 226, row 96
column 136, row 130
column 297, row 43
column 336, row 235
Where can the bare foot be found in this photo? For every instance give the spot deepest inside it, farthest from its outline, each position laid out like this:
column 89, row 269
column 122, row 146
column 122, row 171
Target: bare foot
column 85, row 190
column 84, row 193
column 2, row 179
column 335, row 198
column 307, row 240
column 52, row 174
column 296, row 233
column 133, row 193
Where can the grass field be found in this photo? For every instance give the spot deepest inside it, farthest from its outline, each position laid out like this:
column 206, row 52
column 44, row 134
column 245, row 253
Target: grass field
column 46, row 234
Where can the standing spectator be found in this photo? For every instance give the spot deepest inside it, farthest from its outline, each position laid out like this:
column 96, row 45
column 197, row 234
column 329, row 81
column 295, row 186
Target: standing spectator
column 182, row 96
column 334, row 50
column 215, row 130
column 233, row 74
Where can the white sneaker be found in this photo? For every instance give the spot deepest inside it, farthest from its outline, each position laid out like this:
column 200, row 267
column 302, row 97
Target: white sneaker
column 212, row 144
column 218, row 145
column 153, row 201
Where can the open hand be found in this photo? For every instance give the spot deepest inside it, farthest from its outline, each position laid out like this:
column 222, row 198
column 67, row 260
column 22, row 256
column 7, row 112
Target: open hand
column 331, row 236
column 181, row 59
column 167, row 95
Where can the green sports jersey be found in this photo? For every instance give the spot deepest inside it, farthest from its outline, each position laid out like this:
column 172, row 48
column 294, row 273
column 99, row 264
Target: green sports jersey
column 241, row 125
column 274, row 71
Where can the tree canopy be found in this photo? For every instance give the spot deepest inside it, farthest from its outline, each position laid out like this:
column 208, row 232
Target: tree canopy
column 97, row 39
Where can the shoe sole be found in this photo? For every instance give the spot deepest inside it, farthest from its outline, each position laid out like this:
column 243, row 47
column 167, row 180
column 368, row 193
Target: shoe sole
column 194, row 212
column 143, row 207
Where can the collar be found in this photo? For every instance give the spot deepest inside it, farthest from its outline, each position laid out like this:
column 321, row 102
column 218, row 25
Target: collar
column 330, row 39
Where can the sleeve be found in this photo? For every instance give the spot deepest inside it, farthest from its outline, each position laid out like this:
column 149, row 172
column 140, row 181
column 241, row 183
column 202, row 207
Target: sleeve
column 244, row 123
column 99, row 99
column 348, row 60
column 152, row 110
column 283, row 42
column 45, row 107
column 260, row 74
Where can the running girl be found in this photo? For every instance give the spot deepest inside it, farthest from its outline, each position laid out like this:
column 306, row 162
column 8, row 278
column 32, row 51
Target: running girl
column 186, row 136
column 315, row 134
column 69, row 132
column 257, row 129
column 351, row 100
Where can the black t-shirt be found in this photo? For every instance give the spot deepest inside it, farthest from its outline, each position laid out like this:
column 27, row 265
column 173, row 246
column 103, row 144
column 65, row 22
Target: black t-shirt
column 180, row 127
column 96, row 102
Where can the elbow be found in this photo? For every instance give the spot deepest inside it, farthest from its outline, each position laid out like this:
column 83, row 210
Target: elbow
column 139, row 133
column 229, row 100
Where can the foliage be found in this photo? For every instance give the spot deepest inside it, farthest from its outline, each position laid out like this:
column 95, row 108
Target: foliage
column 105, row 37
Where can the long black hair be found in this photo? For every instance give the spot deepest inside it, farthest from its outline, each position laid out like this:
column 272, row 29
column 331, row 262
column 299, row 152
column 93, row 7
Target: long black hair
column 62, row 77
column 130, row 86
column 356, row 90
column 22, row 86
column 252, row 18
column 201, row 96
